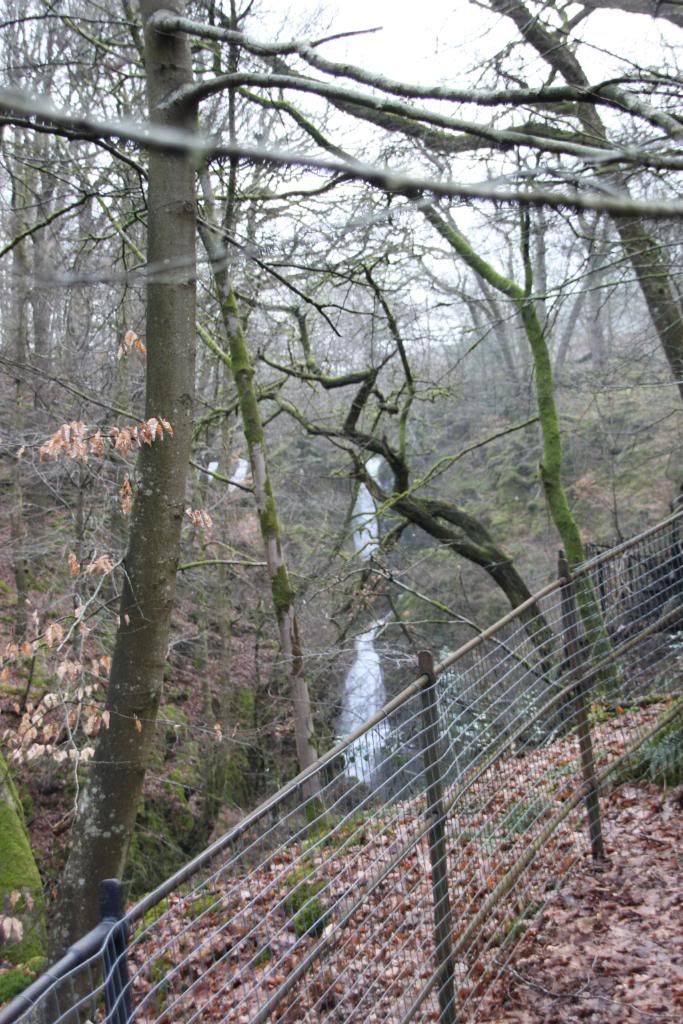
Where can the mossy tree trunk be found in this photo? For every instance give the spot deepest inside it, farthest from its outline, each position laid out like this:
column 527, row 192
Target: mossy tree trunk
column 282, row 592
column 281, row 589
column 18, row 344
column 551, row 462
column 107, row 808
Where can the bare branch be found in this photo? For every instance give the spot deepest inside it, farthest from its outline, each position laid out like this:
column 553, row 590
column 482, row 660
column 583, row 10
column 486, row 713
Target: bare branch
column 159, row 137
column 592, row 154
column 163, row 21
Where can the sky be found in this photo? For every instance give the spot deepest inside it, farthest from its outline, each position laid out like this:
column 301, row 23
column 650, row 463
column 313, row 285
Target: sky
column 440, row 40
column 451, row 42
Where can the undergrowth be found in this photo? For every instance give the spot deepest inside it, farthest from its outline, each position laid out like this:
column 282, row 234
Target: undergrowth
column 659, row 759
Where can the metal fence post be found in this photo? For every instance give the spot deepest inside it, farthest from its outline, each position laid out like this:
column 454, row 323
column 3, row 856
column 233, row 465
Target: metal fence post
column 115, row 954
column 443, row 927
column 577, row 665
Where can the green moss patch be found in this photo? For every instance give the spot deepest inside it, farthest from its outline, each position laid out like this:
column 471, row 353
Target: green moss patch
column 13, row 982
column 659, row 759
column 21, row 891
column 306, row 910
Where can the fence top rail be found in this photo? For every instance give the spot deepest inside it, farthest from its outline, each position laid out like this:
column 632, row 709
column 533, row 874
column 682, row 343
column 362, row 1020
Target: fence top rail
column 620, row 549
column 136, row 912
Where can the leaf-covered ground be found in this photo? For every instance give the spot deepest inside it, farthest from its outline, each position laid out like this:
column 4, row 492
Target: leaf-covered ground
column 593, row 950
column 609, row 947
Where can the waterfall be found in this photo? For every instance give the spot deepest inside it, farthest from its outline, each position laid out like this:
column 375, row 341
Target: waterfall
column 364, row 692
column 239, row 474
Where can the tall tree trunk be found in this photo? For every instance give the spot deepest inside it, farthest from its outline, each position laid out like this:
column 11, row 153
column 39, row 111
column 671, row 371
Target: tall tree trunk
column 281, row 588
column 269, row 520
column 107, row 809
column 551, row 462
column 19, row 348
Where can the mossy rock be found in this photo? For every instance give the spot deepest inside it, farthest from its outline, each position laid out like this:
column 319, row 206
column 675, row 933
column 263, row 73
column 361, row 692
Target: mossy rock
column 21, row 890
column 158, row 972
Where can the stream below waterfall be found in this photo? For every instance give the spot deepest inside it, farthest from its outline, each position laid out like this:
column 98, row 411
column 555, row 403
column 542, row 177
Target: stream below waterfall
column 364, row 691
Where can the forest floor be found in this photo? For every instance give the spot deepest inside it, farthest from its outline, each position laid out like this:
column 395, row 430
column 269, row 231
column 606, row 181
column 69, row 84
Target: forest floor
column 608, row 948
column 609, row 945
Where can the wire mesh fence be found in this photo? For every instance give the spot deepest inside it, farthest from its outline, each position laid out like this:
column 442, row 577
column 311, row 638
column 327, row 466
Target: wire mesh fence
column 399, row 890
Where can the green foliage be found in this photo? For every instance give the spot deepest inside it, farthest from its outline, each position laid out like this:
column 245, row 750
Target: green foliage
column 13, row 982
column 154, row 913
column 324, row 833
column 518, row 924
column 315, row 817
column 157, row 973
column 245, row 706
column 522, row 816
column 201, row 904
column 307, row 912
column 263, row 956
column 659, row 759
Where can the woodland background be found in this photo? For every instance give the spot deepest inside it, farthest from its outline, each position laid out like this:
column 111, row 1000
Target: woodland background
column 337, row 316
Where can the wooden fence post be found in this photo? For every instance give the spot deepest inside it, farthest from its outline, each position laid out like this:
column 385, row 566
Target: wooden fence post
column 438, row 855
column 576, row 661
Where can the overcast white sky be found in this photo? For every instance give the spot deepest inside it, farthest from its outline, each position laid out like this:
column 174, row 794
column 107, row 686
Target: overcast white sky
column 440, row 40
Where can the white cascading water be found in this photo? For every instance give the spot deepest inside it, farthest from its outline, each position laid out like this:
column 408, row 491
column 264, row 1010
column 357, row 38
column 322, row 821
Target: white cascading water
column 364, row 692
column 239, row 474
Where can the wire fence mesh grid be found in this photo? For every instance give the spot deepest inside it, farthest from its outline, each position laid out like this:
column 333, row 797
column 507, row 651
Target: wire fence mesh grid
column 399, row 891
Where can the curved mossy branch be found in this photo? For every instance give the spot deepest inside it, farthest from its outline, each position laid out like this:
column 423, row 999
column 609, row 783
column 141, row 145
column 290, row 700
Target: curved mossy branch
column 551, row 463
column 464, row 535
column 469, row 538
column 315, row 376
